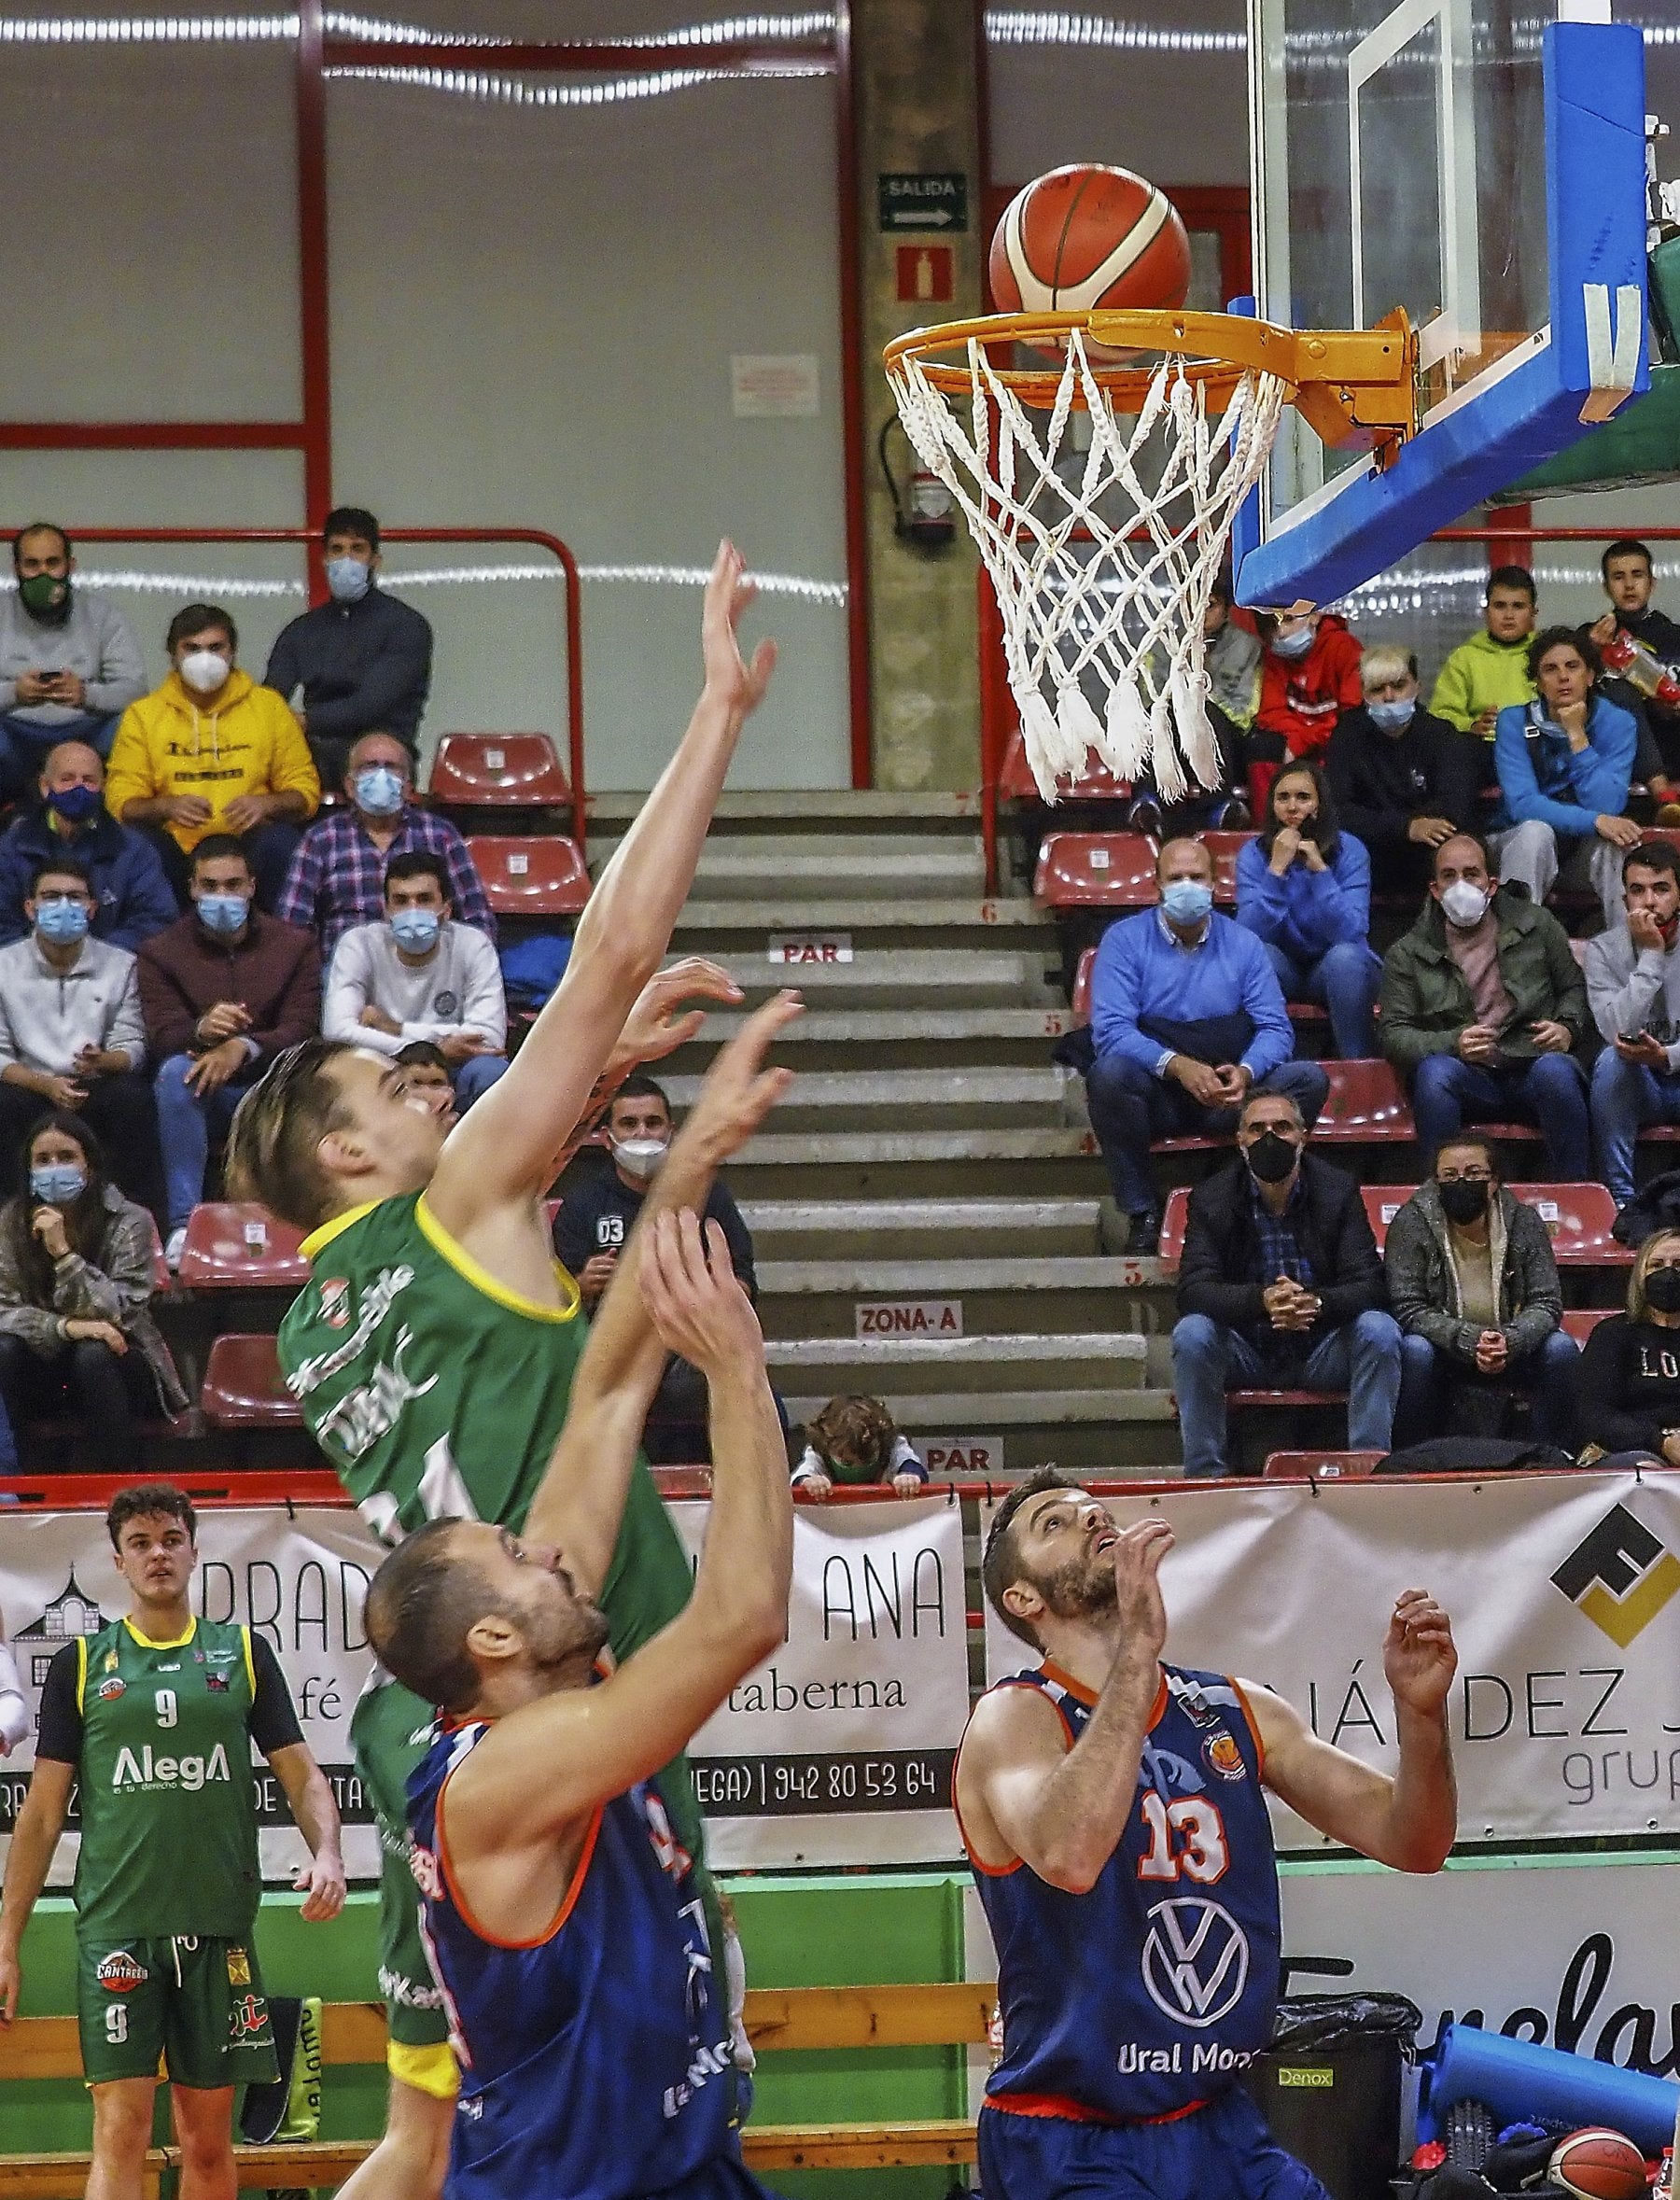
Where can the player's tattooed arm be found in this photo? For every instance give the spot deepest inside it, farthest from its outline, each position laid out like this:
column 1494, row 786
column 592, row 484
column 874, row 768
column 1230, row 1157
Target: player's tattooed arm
column 580, row 1499
column 1409, row 1819
column 1062, row 1811
column 505, row 1151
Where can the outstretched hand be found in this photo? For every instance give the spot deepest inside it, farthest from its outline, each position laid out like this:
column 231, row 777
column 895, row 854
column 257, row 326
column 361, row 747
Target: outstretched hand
column 729, row 681
column 653, row 1027
column 693, row 1298
column 1419, row 1655
column 738, row 1092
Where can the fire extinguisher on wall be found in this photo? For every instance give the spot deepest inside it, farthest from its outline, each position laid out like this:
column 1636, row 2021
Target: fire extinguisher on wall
column 923, row 513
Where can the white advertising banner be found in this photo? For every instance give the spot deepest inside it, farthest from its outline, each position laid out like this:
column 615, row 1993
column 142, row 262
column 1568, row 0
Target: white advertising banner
column 838, row 1749
column 1578, row 1956
column 1564, row 1593
column 296, row 1579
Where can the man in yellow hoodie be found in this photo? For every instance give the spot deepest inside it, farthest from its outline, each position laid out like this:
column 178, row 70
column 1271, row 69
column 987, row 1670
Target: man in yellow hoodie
column 211, row 751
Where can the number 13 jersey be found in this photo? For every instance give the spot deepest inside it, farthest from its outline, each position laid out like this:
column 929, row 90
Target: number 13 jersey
column 1150, row 1993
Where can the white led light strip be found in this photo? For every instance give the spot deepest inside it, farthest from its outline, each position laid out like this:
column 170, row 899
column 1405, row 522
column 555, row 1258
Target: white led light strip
column 1021, row 26
column 195, row 29
column 577, row 92
column 796, row 587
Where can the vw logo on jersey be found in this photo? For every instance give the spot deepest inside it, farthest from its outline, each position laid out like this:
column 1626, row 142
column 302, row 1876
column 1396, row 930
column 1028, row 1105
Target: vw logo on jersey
column 1196, row 1960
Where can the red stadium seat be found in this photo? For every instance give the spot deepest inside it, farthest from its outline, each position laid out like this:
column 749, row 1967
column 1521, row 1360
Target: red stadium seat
column 1081, row 986
column 497, row 771
column 243, row 1388
column 1577, row 1219
column 1579, row 1321
column 1096, row 871
column 1366, row 1105
column 1095, row 783
column 241, row 1247
column 1173, row 1219
column 532, row 877
column 1224, row 848
column 1319, row 1467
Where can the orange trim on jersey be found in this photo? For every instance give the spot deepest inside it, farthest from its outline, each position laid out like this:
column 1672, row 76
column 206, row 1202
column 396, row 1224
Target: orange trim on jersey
column 585, row 1856
column 1254, row 1724
column 1058, row 2105
column 1081, row 1694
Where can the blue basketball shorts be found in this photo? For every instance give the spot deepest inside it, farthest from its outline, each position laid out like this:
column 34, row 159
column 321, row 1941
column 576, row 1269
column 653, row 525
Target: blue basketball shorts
column 1222, row 2153
column 725, row 2178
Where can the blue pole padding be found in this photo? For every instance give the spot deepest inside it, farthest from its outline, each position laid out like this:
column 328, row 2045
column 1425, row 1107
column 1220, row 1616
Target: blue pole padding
column 1514, row 2079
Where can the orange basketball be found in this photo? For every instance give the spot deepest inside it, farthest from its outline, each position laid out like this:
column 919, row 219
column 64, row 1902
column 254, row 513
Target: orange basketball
column 1599, row 2164
column 1085, row 236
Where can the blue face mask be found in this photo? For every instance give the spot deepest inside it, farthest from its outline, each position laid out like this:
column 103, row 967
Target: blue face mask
column 1392, row 718
column 225, row 914
column 1294, row 644
column 60, row 922
column 416, row 929
column 58, row 1183
column 1187, row 900
column 74, row 804
column 378, row 791
column 348, row 579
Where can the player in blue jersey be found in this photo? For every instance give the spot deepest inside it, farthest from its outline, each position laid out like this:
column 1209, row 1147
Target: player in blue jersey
column 562, row 1914
column 1111, row 1808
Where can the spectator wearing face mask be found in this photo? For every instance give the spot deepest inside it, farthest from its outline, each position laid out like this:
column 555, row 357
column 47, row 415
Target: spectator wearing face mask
column 1483, row 1007
column 363, row 660
column 132, row 896
column 1404, row 780
column 210, row 752
column 1308, row 676
column 593, row 1224
column 69, row 663
column 420, row 976
column 1473, row 1285
column 71, row 1035
column 222, row 992
column 337, row 876
column 1628, row 1380
column 76, row 1285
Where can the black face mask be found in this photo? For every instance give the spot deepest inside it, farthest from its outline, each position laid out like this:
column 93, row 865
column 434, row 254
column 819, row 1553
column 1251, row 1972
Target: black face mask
column 1272, row 1158
column 1662, row 1290
column 1461, row 1202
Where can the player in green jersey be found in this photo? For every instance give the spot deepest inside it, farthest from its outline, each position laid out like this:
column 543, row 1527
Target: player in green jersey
column 153, row 1719
column 433, row 1350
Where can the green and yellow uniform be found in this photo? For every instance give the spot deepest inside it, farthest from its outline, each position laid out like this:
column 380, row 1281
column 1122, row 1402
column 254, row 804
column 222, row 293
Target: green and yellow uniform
column 433, row 1390
column 168, row 1880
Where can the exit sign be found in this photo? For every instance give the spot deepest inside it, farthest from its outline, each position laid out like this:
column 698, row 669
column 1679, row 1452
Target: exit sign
column 933, row 199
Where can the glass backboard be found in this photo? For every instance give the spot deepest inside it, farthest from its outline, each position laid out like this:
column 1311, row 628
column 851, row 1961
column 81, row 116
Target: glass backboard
column 1479, row 165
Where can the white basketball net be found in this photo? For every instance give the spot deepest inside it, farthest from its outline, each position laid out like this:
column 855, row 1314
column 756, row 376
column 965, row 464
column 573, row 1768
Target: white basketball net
column 1077, row 596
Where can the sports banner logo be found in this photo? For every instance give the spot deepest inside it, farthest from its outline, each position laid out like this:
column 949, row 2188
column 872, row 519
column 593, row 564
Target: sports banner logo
column 1620, row 1577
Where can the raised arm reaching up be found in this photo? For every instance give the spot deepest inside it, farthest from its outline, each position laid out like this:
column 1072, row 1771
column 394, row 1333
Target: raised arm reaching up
column 510, row 1144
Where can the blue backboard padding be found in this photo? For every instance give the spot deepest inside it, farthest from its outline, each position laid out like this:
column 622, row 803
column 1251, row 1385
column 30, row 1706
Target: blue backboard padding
column 1596, row 222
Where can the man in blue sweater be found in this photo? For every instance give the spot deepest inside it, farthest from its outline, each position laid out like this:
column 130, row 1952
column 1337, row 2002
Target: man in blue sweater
column 1187, row 1019
column 1564, row 764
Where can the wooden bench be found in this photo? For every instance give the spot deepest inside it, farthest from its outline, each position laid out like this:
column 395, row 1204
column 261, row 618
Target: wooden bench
column 778, row 2019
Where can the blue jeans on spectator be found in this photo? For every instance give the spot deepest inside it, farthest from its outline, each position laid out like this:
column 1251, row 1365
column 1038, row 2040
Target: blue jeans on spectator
column 184, row 1126
column 1626, row 1095
column 1130, row 1105
column 1345, row 980
column 474, row 1078
column 1428, row 1377
column 24, row 745
column 1362, row 1357
column 1551, row 1090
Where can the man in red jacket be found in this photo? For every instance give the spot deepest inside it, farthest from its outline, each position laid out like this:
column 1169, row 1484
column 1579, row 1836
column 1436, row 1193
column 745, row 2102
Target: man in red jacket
column 222, row 992
column 1308, row 676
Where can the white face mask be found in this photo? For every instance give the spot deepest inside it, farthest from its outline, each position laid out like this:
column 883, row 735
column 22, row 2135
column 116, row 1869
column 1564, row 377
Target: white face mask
column 203, row 670
column 1465, row 904
column 639, row 1157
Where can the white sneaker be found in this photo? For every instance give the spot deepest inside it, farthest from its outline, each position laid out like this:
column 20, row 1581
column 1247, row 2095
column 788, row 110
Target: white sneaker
column 173, row 1249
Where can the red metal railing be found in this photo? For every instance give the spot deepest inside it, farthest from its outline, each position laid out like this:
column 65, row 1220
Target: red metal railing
column 539, row 537
column 1515, row 539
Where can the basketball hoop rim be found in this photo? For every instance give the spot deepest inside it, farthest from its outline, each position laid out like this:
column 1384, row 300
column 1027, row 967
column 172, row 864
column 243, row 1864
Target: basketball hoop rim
column 1366, row 377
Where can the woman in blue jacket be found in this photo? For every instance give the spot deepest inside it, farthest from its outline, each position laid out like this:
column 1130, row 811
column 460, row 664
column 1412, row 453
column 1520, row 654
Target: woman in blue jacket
column 1564, row 764
column 1304, row 888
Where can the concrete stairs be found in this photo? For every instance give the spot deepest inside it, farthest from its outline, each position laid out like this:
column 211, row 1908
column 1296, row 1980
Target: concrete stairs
column 930, row 1218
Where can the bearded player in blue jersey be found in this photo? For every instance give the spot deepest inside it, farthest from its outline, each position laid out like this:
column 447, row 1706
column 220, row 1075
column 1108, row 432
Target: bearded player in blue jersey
column 1113, row 1809
column 587, row 2006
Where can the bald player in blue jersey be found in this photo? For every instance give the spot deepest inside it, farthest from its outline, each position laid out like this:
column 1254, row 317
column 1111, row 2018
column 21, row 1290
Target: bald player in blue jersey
column 587, row 2007
column 1113, row 1809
